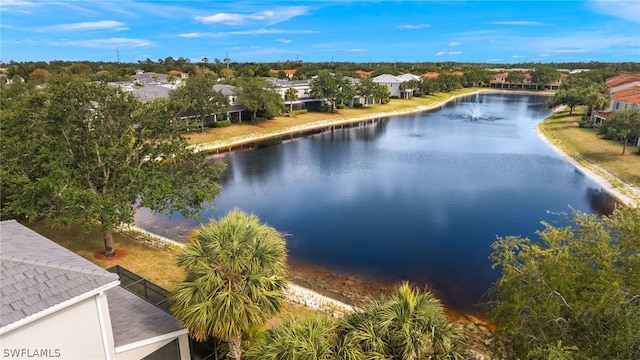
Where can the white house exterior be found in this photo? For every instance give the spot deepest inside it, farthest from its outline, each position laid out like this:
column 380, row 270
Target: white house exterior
column 624, row 93
column 57, row 305
column 393, row 84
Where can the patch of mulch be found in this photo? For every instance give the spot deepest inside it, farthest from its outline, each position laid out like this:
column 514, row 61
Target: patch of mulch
column 119, row 255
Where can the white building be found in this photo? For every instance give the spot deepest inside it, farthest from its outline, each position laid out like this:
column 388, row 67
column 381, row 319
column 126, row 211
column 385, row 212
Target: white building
column 55, row 304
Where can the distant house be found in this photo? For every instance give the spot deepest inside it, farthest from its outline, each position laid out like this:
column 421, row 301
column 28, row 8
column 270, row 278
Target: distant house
column 303, row 87
column 55, row 304
column 363, row 74
column 288, row 73
column 430, row 75
column 393, row 84
column 624, row 93
column 500, row 81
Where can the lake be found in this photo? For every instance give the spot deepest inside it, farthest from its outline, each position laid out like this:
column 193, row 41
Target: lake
column 419, row 197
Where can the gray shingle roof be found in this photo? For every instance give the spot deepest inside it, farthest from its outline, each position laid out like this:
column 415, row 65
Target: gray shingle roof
column 134, row 319
column 36, row 273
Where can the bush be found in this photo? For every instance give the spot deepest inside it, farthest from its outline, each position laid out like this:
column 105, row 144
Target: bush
column 358, row 106
column 341, row 106
column 298, row 112
column 221, row 123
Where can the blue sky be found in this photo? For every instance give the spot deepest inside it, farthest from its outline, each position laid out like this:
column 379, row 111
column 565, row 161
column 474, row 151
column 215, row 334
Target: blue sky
column 319, row 31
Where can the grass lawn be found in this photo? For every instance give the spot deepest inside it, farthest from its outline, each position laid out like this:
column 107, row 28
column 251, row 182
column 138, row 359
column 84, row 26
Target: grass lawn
column 155, row 263
column 587, row 147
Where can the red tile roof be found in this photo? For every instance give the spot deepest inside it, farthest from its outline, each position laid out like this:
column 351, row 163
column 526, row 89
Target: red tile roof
column 458, row 73
column 629, row 96
column 621, row 80
column 363, row 73
column 430, row 75
column 288, row 72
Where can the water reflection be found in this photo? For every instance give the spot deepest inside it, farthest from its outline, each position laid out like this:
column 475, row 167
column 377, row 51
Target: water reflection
column 418, row 197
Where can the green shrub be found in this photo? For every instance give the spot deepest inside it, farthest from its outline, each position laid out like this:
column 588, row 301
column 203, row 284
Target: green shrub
column 221, row 123
column 341, row 106
column 298, row 112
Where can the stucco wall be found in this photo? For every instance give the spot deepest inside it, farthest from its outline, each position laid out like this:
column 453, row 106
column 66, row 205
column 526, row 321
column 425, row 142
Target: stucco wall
column 71, row 333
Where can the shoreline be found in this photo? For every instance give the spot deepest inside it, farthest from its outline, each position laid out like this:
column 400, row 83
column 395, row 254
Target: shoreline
column 353, row 291
column 627, row 194
column 224, row 146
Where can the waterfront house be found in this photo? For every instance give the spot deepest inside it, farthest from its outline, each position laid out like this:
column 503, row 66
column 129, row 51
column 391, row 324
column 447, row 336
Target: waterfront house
column 393, row 84
column 56, row 304
column 624, row 93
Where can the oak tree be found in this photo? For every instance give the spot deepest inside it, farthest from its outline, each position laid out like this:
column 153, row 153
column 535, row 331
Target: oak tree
column 86, row 153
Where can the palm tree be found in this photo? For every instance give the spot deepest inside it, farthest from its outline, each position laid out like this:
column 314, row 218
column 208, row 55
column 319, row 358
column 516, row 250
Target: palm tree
column 235, row 279
column 311, row 338
column 291, row 95
column 408, row 325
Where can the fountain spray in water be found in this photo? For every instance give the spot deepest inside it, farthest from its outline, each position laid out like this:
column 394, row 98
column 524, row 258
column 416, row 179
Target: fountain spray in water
column 474, row 113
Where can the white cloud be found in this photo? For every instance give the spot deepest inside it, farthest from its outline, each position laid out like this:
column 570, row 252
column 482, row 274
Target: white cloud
column 90, row 25
column 413, row 26
column 518, row 57
column 261, row 31
column 568, row 50
column 110, row 43
column 440, row 53
column 623, row 9
column 357, row 50
column 454, row 43
column 524, row 23
column 455, row 52
column 284, row 41
column 190, row 35
column 268, row 17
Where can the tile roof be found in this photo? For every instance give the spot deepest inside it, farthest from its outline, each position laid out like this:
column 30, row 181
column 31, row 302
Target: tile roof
column 288, row 72
column 430, row 75
column 37, row 274
column 387, row 78
column 151, row 92
column 623, row 79
column 363, row 73
column 630, row 95
column 134, row 319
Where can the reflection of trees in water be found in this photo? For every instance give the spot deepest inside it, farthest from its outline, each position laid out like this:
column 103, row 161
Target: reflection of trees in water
column 601, row 202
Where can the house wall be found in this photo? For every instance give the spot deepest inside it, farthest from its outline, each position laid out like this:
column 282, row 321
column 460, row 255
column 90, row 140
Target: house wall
column 620, row 105
column 74, row 332
column 624, row 86
column 394, row 89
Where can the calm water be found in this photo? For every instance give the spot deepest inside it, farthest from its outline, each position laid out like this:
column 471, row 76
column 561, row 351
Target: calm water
column 418, row 197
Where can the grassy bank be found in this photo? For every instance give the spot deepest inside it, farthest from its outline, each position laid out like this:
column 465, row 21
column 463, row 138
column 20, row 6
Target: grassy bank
column 584, row 145
column 247, row 131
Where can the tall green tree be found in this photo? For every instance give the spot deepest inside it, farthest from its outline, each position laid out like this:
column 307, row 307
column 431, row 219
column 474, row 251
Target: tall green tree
column 622, row 125
column 326, row 86
column 544, row 74
column 407, row 325
column 575, row 289
column 235, row 279
column 430, row 86
column 570, row 97
column 198, row 98
column 291, row 95
column 367, row 89
column 595, row 98
column 80, row 152
column 515, row 78
column 259, row 97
